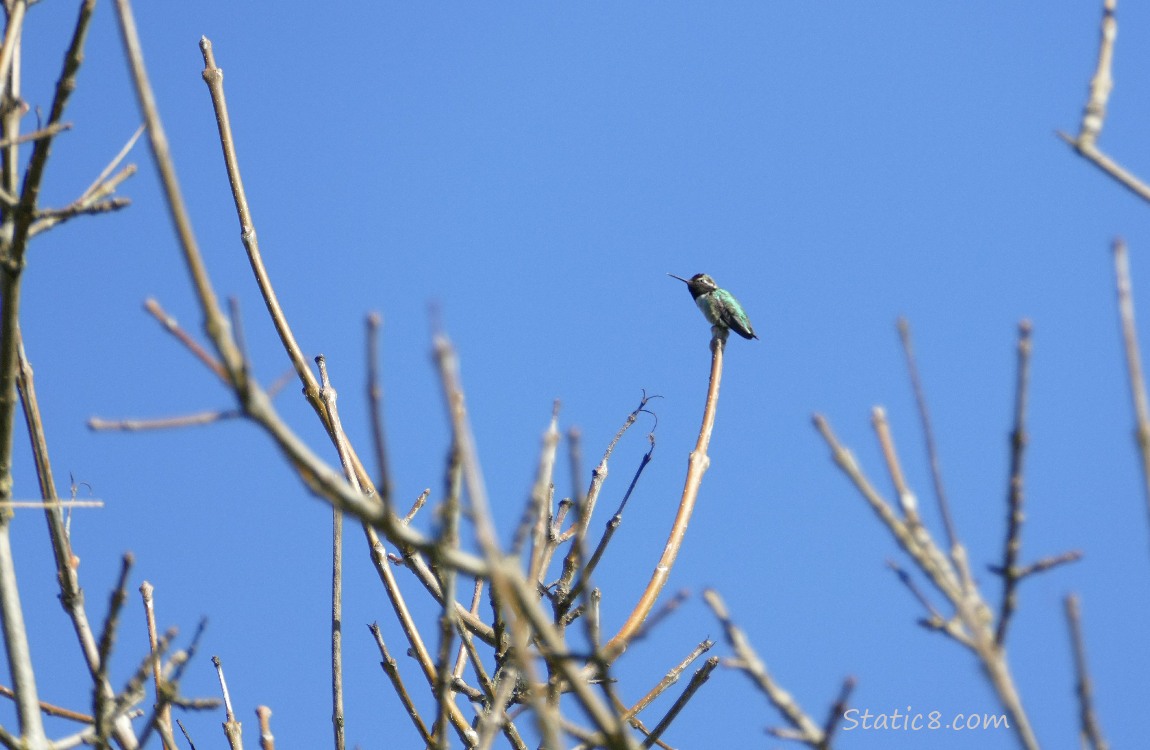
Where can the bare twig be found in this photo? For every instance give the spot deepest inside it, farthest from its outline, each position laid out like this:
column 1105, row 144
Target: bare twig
column 697, row 465
column 184, row 731
column 164, row 719
column 415, row 506
column 1045, row 564
column 67, row 577
column 928, row 432
column 835, row 715
column 971, row 625
column 1018, row 438
column 1133, row 363
column 575, row 459
column 668, row 680
column 172, row 326
column 1094, row 113
column 267, row 740
column 50, row 709
column 101, row 708
column 611, row 527
column 391, row 669
column 15, row 231
column 328, row 395
column 1090, row 733
column 697, row 680
column 216, row 324
column 751, row 665
column 375, row 399
column 162, row 423
column 233, row 729
column 96, row 186
column 906, row 498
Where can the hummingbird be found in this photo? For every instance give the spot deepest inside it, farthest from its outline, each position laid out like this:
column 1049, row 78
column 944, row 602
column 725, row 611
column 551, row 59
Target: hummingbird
column 719, row 306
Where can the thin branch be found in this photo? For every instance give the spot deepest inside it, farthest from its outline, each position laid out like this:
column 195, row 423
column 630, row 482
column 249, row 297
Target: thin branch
column 697, row 464
column 233, row 729
column 419, row 501
column 697, row 680
column 101, row 708
column 98, row 183
column 375, row 399
column 750, row 664
column 164, row 718
column 95, row 202
column 50, row 709
column 914, row 541
column 267, row 739
column 162, row 423
column 391, row 669
column 16, row 224
column 216, row 324
column 1133, row 363
column 668, row 680
column 1018, row 439
column 906, row 498
column 1094, row 113
column 35, row 135
column 928, row 432
column 609, row 530
column 838, row 710
column 214, row 78
column 575, row 459
column 448, row 622
column 55, row 216
column 67, row 577
column 1090, row 733
column 328, row 395
column 1046, row 563
column 172, row 326
column 539, row 505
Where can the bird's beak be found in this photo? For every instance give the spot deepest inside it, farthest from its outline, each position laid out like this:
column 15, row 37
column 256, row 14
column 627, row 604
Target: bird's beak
column 680, row 278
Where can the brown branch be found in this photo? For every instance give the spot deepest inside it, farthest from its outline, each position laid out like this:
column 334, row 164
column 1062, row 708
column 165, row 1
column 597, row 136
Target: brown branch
column 164, row 717
column 328, row 395
column 67, row 577
column 216, row 324
column 267, row 739
column 13, row 250
column 50, row 709
column 102, row 710
column 35, row 135
column 391, row 669
column 906, row 498
column 172, row 326
column 697, row 465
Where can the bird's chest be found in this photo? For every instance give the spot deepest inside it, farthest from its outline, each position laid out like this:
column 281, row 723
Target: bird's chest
column 711, row 307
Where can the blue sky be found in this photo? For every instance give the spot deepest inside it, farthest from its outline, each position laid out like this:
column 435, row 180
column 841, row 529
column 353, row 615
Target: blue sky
column 535, row 171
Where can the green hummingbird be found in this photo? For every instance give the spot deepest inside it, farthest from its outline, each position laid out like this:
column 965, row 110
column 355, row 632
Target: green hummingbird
column 718, row 305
